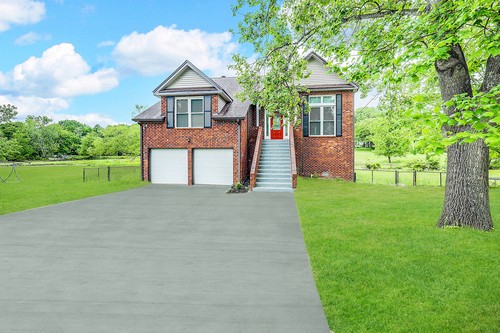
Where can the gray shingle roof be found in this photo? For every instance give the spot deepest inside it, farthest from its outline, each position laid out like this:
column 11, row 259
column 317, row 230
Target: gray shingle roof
column 227, row 87
column 232, row 110
column 153, row 113
column 235, row 109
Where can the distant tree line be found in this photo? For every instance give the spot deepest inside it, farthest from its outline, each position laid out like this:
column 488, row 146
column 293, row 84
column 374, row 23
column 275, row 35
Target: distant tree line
column 38, row 137
column 390, row 131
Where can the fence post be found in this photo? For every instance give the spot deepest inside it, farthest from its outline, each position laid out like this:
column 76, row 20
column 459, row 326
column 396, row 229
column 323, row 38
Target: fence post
column 414, row 177
column 440, row 178
column 354, row 177
column 109, row 174
column 84, row 175
column 396, row 177
column 372, row 176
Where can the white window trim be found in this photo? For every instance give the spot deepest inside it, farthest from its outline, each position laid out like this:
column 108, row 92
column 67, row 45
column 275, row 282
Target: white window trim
column 189, row 110
column 322, row 105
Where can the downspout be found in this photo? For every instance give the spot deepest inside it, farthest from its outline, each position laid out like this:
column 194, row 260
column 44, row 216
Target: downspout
column 257, row 123
column 353, row 142
column 142, row 157
column 239, row 150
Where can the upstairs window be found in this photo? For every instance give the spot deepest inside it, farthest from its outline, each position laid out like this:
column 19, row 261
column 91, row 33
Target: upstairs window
column 189, row 112
column 322, row 116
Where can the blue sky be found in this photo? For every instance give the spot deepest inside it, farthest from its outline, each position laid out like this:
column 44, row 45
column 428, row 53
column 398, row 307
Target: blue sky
column 93, row 61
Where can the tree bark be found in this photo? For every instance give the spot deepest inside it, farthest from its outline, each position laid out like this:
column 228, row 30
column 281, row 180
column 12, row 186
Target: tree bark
column 466, row 201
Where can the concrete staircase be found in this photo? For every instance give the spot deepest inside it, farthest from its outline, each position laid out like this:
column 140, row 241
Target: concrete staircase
column 274, row 173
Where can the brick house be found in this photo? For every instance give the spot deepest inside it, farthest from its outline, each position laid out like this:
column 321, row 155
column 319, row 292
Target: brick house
column 200, row 133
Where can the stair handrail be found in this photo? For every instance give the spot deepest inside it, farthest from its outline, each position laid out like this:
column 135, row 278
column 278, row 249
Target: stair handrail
column 293, row 162
column 256, row 157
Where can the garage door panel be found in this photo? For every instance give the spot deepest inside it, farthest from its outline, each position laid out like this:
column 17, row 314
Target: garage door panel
column 169, row 166
column 213, row 166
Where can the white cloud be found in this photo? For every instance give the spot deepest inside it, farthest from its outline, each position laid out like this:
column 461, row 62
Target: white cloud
column 20, row 12
column 50, row 107
column 61, row 72
column 106, row 43
column 34, row 105
column 165, row 48
column 31, row 38
column 43, row 85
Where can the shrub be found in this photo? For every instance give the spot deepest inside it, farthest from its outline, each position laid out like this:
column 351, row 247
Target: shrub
column 372, row 166
column 421, row 164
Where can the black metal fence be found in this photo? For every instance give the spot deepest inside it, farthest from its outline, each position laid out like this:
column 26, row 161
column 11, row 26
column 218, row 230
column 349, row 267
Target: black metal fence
column 111, row 173
column 407, row 177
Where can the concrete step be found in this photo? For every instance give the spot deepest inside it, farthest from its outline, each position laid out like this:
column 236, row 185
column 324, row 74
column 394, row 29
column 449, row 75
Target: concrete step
column 273, row 168
column 276, row 163
column 272, row 173
column 273, row 176
column 274, row 184
column 273, row 189
column 287, row 181
column 273, row 148
column 275, row 152
column 275, row 142
column 275, row 157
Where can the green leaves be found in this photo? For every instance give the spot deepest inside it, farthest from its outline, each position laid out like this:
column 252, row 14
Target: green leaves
column 7, row 113
column 475, row 118
column 391, row 46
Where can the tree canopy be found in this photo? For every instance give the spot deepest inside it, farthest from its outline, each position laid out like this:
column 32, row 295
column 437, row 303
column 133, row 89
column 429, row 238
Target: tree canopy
column 375, row 45
column 447, row 47
column 7, row 113
column 38, row 137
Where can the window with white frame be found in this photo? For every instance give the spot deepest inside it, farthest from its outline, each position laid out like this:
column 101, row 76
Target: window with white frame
column 189, row 112
column 322, row 116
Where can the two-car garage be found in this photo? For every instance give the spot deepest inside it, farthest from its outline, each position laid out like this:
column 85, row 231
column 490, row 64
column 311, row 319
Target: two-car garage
column 210, row 166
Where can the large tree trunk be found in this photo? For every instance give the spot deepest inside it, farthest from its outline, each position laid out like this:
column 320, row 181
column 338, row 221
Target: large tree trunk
column 466, row 200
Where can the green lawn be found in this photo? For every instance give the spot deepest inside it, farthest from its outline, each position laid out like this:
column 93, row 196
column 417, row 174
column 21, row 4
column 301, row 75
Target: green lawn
column 365, row 155
column 381, row 265
column 47, row 185
column 105, row 161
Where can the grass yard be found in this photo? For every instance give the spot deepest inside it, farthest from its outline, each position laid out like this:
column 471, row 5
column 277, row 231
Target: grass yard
column 105, row 161
column 47, row 185
column 381, row 265
column 385, row 177
column 366, row 155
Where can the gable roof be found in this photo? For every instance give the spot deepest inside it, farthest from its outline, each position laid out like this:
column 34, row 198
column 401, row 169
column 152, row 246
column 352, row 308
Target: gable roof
column 236, row 109
column 209, row 86
column 228, row 87
column 316, row 56
column 321, row 78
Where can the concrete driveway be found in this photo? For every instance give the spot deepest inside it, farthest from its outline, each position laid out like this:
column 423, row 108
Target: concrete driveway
column 159, row 259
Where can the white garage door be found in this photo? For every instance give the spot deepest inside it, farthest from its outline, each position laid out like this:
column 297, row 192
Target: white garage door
column 213, row 166
column 169, row 166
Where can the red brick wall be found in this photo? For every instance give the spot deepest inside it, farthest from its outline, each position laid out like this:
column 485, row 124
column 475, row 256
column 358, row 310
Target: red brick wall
column 223, row 134
column 325, row 156
column 329, row 156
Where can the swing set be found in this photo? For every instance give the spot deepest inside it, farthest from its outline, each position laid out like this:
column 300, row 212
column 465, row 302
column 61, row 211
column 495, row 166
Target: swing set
column 12, row 174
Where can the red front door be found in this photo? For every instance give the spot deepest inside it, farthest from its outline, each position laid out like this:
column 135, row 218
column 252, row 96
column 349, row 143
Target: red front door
column 277, row 127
